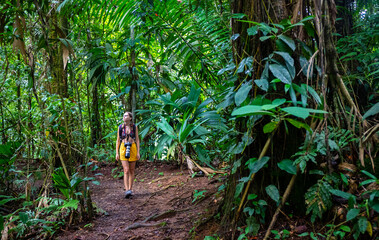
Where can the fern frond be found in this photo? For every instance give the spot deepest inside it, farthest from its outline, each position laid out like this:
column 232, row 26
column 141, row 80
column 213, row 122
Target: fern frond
column 318, row 199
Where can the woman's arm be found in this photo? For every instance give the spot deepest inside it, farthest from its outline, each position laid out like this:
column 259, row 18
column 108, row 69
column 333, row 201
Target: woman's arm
column 117, row 144
column 137, row 142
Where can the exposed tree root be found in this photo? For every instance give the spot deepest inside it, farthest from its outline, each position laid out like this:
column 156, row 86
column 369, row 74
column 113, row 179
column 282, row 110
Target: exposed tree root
column 154, row 217
column 193, row 166
column 158, row 179
column 141, row 224
column 155, row 193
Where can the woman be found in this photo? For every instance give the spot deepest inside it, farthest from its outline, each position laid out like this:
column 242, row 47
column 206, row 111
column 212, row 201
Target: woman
column 127, row 137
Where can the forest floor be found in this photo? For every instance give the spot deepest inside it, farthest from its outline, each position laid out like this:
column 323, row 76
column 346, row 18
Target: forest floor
column 166, row 205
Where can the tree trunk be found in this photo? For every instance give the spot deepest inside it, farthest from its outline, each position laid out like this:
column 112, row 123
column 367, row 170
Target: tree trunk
column 245, row 46
column 3, row 132
column 133, row 88
column 95, row 118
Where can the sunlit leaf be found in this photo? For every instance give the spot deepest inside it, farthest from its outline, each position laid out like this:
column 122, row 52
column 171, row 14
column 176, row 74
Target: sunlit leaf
column 297, row 112
column 269, row 127
column 74, row 203
column 250, row 110
column 166, row 128
column 298, row 124
column 276, row 103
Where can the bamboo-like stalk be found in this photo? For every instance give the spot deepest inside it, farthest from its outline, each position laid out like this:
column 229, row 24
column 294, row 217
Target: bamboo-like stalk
column 263, row 153
column 284, row 199
column 68, row 136
column 61, row 158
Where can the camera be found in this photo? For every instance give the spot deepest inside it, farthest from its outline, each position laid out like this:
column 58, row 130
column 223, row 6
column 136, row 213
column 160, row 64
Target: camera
column 127, row 149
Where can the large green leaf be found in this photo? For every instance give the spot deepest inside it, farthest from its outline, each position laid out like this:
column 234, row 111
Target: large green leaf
column 167, row 128
column 281, row 73
column 110, row 134
column 313, row 93
column 276, row 103
column 5, row 149
column 298, row 124
column 250, row 110
column 372, row 111
column 242, row 93
column 74, row 203
column 245, row 63
column 286, row 57
column 269, row 127
column 287, row 165
column 239, row 189
column 4, row 201
column 273, row 192
column 163, row 141
column 288, row 41
column 262, row 84
column 352, row 213
column 342, row 194
column 293, row 95
column 362, row 224
column 186, row 130
column 297, row 111
column 255, row 165
column 301, row 112
column 252, row 31
column 194, row 95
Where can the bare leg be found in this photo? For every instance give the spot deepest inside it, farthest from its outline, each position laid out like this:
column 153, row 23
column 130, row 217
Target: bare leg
column 132, row 167
column 125, row 165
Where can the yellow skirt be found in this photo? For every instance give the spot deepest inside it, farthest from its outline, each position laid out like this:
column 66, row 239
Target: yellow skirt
column 133, row 152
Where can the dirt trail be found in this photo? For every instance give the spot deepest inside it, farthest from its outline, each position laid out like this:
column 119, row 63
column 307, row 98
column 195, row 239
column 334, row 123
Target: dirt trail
column 162, row 206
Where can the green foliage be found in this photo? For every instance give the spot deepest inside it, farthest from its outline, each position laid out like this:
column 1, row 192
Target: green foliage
column 318, row 199
column 256, row 213
column 47, row 215
column 288, row 166
column 273, row 192
column 182, row 122
column 7, row 159
column 197, row 195
column 43, row 221
column 308, row 152
column 281, row 235
column 359, row 51
column 71, row 189
column 372, row 111
column 176, row 58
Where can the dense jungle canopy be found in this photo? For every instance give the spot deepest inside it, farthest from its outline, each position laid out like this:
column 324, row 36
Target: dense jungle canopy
column 279, row 100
